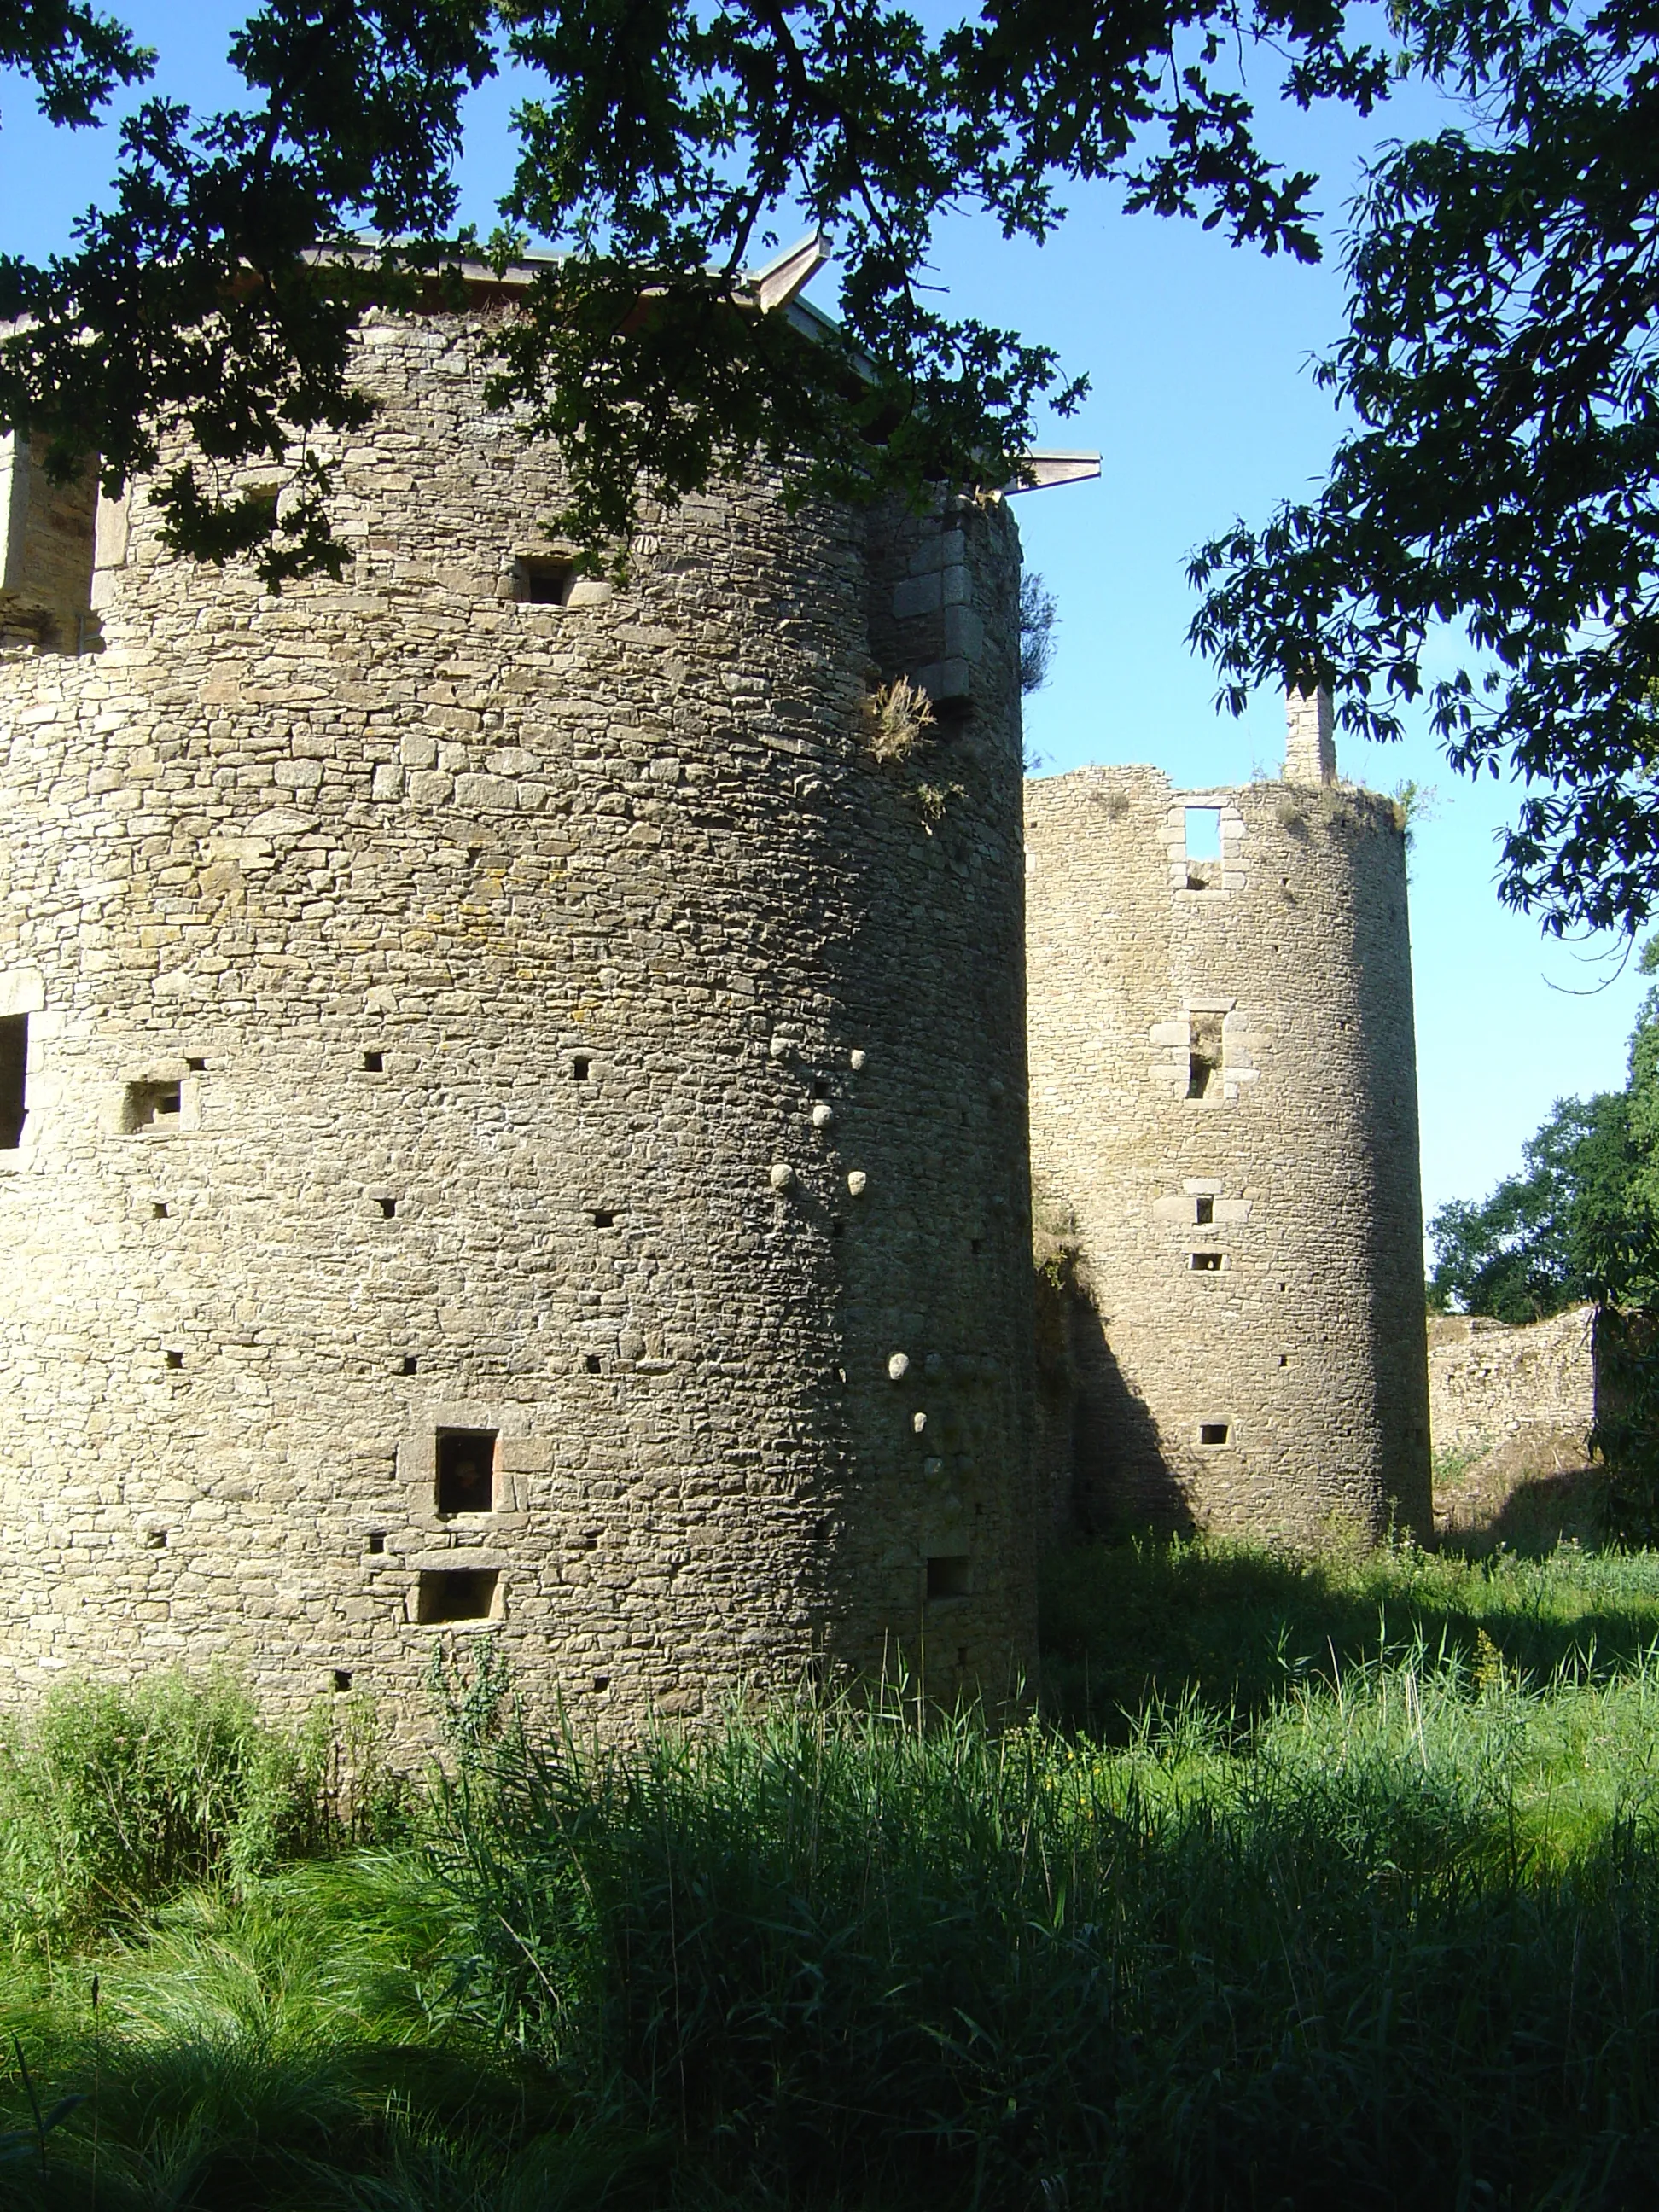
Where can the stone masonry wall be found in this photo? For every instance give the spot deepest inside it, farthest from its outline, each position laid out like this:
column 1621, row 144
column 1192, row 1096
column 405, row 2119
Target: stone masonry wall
column 452, row 1015
column 1224, row 1128
column 1490, row 1383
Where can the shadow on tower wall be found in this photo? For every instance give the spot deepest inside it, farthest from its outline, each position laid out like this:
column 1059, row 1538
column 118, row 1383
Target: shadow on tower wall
column 1100, row 1461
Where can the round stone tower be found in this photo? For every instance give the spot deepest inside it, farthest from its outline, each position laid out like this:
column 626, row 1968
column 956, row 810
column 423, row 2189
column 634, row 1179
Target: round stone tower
column 511, row 1116
column 1223, row 1133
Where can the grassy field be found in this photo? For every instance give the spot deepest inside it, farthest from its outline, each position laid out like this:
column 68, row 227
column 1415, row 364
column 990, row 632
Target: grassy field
column 1318, row 1884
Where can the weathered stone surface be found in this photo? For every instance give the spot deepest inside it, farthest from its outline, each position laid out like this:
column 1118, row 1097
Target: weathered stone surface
column 1249, row 1247
column 463, row 933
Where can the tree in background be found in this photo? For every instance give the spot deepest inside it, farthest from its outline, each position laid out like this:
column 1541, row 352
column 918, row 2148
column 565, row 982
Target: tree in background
column 1582, row 1224
column 1500, row 359
column 661, row 144
column 1539, row 1243
column 1502, row 362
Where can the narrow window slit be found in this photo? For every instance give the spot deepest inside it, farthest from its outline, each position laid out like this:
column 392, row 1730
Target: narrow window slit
column 1206, row 1213
column 14, row 1078
column 410, row 1364
column 579, row 1067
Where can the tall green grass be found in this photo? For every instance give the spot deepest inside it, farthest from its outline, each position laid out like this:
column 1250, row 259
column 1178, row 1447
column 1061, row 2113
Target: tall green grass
column 1363, row 1918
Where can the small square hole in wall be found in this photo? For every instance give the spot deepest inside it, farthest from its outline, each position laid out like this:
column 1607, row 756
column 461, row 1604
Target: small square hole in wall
column 376, row 1542
column 603, row 1219
column 591, row 1363
column 374, row 1063
column 1213, row 1432
column 947, row 1574
column 145, row 1104
column 820, row 1088
column 447, row 1594
column 409, row 1365
column 1205, row 1212
column 602, row 1682
column 466, row 1470
column 174, row 1359
column 342, row 1680
column 158, row 1211
column 388, row 1207
column 543, row 581
column 1283, row 1358
column 579, row 1067
column 196, row 1067
column 156, row 1540
column 1205, row 1263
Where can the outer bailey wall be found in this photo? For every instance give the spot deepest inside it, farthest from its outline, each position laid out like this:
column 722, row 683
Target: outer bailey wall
column 1309, row 1343
column 255, row 840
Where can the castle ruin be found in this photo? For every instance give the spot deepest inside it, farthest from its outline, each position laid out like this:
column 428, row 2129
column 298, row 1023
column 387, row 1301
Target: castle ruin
column 514, row 1121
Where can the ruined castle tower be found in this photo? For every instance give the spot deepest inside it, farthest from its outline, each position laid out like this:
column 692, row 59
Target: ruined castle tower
column 1223, row 1133
column 511, row 1119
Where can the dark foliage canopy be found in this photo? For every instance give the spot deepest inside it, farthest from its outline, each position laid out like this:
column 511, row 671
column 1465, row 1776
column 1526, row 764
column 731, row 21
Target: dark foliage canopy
column 662, row 142
column 1501, row 363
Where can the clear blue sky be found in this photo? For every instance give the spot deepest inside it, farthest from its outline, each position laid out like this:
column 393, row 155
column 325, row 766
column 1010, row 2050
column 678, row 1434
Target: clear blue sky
column 1202, row 407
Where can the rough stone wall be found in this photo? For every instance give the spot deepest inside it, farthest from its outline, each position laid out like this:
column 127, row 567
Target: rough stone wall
column 1490, row 1383
column 1223, row 1129
column 451, row 1014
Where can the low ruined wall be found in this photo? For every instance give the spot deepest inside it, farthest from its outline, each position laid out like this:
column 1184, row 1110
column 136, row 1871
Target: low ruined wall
column 1489, row 1382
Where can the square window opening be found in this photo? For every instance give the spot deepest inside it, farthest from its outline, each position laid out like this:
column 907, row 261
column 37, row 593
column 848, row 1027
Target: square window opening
column 1205, row 1263
column 410, row 1366
column 947, row 1574
column 342, row 1680
column 1203, row 833
column 174, row 1359
column 603, row 1219
column 1214, row 1432
column 443, row 1594
column 579, row 1067
column 196, row 1065
column 158, row 1212
column 156, row 1540
column 388, row 1207
column 591, row 1363
column 467, row 1471
column 1204, row 1055
column 144, row 1104
column 1205, row 1212
column 377, row 1542
column 543, row 580
column 374, row 1063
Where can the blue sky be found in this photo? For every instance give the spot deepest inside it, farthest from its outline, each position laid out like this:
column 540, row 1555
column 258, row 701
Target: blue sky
column 1202, row 407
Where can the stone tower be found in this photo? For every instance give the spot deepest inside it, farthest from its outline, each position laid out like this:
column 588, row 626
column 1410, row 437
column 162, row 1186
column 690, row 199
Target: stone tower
column 1223, row 1129
column 513, row 1119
